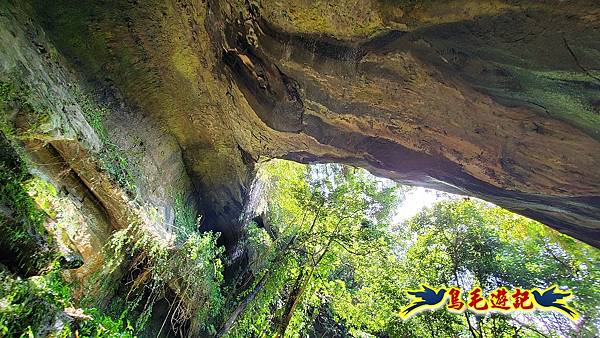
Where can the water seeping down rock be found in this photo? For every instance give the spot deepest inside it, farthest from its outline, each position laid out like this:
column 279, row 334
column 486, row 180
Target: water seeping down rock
column 494, row 99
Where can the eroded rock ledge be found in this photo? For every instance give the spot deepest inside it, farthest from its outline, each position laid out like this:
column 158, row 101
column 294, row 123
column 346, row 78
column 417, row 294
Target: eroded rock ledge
column 495, row 99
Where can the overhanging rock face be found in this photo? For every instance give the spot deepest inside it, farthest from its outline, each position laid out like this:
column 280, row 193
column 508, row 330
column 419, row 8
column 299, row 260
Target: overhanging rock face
column 495, row 99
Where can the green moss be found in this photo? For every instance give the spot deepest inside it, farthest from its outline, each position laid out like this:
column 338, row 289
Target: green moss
column 185, row 218
column 13, row 97
column 42, row 192
column 71, row 27
column 30, row 307
column 565, row 95
column 8, row 94
column 111, row 157
column 21, row 222
column 105, row 326
column 350, row 19
column 193, row 266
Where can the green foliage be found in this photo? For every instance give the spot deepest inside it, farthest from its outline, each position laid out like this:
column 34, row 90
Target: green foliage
column 185, row 218
column 8, row 95
column 330, row 265
column 15, row 98
column 102, row 325
column 257, row 319
column 34, row 306
column 258, row 239
column 193, row 269
column 324, row 217
column 463, row 242
column 30, row 304
column 24, row 235
column 199, row 274
column 13, row 194
column 112, row 159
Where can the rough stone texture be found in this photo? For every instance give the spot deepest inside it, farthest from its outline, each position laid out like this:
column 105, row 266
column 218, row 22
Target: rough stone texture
column 496, row 99
column 61, row 146
column 82, row 215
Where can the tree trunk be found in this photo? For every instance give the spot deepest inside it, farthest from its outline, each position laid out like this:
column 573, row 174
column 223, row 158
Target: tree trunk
column 292, row 302
column 242, row 306
column 298, row 291
column 259, row 286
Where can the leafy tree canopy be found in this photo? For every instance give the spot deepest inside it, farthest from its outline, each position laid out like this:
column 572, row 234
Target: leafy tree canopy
column 332, row 264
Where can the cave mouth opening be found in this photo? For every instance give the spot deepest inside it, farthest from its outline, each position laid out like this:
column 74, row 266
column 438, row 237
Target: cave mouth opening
column 411, row 201
column 432, row 238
